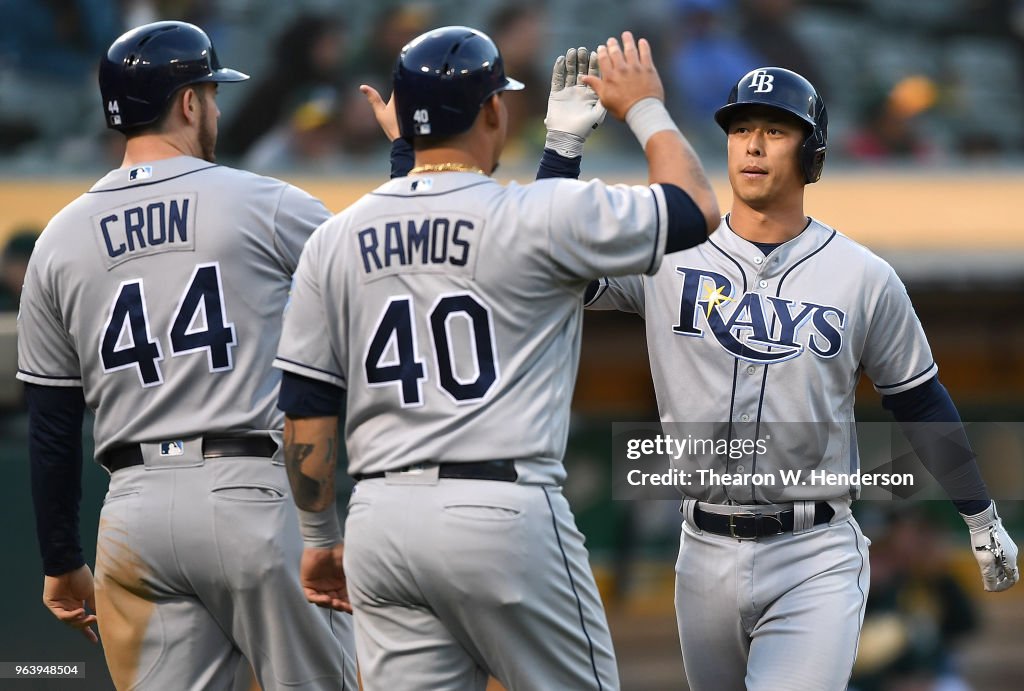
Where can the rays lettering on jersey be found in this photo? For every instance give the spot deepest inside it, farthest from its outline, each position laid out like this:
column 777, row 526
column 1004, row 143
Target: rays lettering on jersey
column 413, row 242
column 757, row 328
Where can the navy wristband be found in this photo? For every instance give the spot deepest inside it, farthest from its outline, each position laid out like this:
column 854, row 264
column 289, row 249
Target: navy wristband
column 555, row 165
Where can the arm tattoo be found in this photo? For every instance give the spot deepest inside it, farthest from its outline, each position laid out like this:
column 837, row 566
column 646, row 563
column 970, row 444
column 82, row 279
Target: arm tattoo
column 311, row 471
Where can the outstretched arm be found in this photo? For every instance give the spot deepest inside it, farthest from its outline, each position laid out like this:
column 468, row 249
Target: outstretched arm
column 631, row 90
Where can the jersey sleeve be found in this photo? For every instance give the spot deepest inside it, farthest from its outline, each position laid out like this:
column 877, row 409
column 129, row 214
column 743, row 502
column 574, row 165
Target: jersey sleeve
column 46, row 353
column 623, row 293
column 601, row 230
column 298, row 215
column 305, row 347
column 896, row 354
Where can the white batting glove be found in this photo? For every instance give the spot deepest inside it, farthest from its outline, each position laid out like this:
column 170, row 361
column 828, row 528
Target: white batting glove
column 574, row 111
column 994, row 550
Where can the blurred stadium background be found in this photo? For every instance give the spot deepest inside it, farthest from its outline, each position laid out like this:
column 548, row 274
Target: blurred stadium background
column 924, row 164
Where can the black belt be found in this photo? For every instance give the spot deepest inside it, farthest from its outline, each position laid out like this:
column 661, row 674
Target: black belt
column 499, row 471
column 748, row 525
column 213, row 447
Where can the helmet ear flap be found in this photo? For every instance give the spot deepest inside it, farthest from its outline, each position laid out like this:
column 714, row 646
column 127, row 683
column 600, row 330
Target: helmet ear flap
column 816, row 145
column 813, row 159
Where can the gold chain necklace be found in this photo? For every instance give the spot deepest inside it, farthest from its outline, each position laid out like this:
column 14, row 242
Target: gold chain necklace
column 445, row 168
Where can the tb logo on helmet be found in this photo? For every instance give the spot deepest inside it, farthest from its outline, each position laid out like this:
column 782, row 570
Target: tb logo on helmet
column 762, row 82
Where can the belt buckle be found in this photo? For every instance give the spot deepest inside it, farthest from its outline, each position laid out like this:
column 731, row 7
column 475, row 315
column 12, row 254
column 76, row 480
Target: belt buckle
column 732, row 525
column 759, row 519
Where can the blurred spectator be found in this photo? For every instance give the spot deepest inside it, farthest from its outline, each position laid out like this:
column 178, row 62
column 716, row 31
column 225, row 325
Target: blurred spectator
column 518, row 31
column 708, row 59
column 983, row 17
column 332, row 131
column 56, row 39
column 15, row 131
column 977, row 145
column 48, row 49
column 308, row 138
column 889, row 126
column 13, row 264
column 390, row 31
column 203, row 13
column 916, row 611
column 361, row 139
column 309, row 56
column 767, row 28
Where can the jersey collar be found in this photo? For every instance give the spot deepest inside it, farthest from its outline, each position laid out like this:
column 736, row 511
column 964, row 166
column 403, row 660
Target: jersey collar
column 148, row 173
column 750, row 256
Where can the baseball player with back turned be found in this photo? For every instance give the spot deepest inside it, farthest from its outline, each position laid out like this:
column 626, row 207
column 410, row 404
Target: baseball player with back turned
column 155, row 299
column 446, row 310
column 773, row 320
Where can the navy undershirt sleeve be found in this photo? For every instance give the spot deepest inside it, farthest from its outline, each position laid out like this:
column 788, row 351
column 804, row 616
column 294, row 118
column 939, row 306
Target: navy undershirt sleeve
column 686, row 225
column 304, row 397
column 932, row 424
column 55, row 452
column 402, row 157
column 555, row 165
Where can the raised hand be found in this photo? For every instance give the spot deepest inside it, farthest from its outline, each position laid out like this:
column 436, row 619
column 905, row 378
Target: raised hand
column 627, row 75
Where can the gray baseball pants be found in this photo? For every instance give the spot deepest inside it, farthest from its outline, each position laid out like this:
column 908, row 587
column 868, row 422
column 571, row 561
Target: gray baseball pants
column 781, row 613
column 196, row 566
column 453, row 580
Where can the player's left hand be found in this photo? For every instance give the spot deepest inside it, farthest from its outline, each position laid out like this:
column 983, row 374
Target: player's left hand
column 574, row 110
column 323, row 577
column 995, row 551
column 385, row 113
column 68, row 595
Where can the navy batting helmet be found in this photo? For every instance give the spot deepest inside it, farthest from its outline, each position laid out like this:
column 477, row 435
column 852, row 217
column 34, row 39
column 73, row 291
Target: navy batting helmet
column 443, row 77
column 780, row 88
column 144, row 67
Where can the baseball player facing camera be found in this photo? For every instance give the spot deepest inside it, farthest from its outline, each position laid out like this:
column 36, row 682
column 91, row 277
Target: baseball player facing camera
column 778, row 314
column 445, row 310
column 155, row 299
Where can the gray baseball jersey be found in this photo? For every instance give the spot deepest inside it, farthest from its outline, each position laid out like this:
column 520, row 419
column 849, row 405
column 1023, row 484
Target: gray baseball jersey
column 449, row 307
column 773, row 342
column 160, row 291
column 778, row 341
